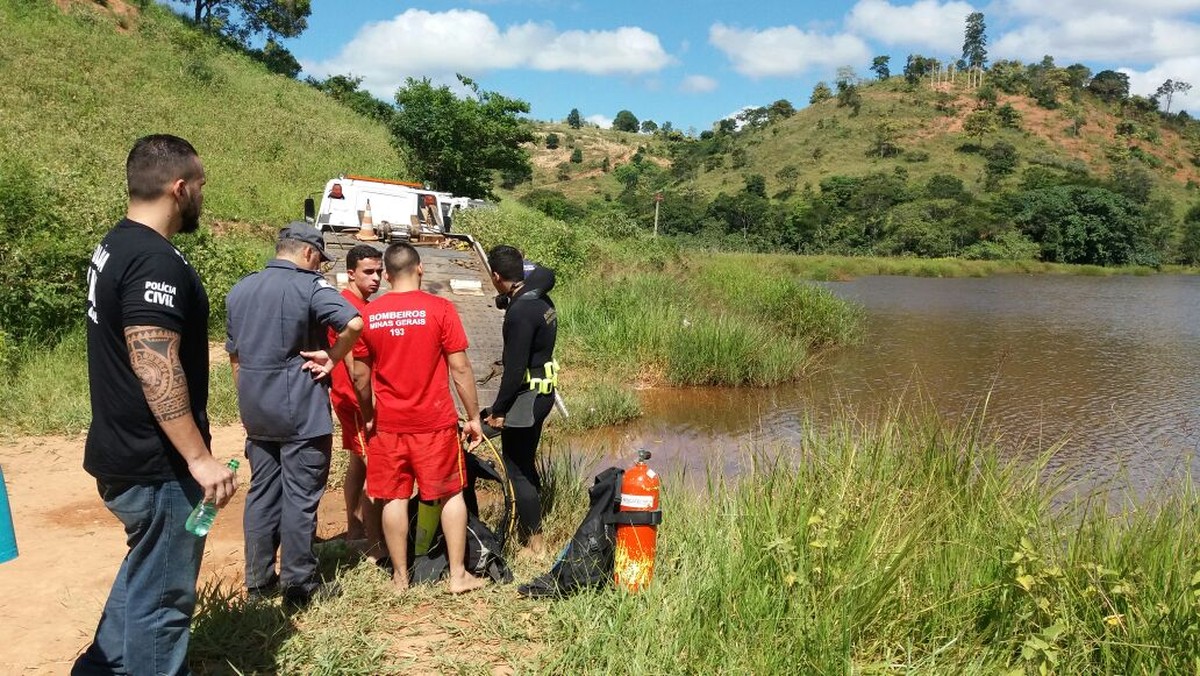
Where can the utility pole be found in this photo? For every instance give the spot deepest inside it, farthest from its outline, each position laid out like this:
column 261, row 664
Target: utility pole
column 657, row 200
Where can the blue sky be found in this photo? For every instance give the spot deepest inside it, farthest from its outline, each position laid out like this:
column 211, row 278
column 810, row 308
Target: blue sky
column 692, row 63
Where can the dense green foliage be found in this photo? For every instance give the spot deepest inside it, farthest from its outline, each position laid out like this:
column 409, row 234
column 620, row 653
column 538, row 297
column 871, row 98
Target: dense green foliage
column 346, row 90
column 1076, row 224
column 457, row 143
column 625, row 121
column 243, row 19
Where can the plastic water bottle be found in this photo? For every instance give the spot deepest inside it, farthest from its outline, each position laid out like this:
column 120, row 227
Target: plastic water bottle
column 200, row 521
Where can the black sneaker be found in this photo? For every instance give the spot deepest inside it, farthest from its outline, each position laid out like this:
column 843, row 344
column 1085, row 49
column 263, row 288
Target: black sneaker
column 299, row 598
column 264, row 593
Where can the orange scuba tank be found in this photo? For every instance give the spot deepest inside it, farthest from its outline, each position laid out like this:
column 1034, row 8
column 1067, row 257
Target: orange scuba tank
column 637, row 522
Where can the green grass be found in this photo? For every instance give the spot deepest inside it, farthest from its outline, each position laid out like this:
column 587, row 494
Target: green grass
column 48, row 391
column 650, row 326
column 841, row 268
column 599, row 404
column 899, row 544
column 78, row 89
column 368, row 630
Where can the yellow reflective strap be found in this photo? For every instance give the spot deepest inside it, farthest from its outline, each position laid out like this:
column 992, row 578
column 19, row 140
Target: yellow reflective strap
column 549, row 383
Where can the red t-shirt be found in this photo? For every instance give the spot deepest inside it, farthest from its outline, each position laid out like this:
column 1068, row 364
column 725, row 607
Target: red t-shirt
column 407, row 338
column 342, row 389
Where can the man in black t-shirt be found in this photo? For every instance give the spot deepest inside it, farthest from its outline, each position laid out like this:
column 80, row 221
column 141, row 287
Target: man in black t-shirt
column 148, row 444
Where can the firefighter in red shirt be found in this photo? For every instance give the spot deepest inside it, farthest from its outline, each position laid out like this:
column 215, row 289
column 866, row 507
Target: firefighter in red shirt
column 414, row 343
column 364, row 266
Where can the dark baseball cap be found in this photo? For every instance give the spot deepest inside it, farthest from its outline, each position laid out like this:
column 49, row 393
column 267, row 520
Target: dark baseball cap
column 303, row 232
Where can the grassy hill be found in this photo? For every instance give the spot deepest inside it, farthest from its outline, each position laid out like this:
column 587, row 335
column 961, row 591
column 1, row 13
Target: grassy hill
column 587, row 179
column 823, row 139
column 925, row 127
column 80, row 81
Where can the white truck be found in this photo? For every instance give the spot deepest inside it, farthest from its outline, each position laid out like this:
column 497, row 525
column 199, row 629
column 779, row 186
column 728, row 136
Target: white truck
column 398, row 210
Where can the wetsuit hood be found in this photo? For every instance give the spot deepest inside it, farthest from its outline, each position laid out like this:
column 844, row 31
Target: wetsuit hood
column 539, row 278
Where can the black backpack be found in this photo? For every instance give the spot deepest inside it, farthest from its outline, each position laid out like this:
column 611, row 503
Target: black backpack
column 484, row 554
column 587, row 560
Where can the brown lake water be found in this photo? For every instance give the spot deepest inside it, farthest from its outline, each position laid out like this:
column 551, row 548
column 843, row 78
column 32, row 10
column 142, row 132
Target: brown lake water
column 1109, row 366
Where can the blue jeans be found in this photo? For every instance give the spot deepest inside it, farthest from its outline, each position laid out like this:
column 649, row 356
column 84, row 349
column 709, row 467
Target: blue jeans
column 144, row 627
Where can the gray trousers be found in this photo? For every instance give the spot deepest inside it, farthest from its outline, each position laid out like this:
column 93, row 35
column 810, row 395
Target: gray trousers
column 286, row 484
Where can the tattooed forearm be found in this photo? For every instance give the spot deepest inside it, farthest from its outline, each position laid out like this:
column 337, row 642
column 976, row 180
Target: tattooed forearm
column 154, row 355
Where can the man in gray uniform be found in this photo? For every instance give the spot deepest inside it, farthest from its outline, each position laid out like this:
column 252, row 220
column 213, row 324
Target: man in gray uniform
column 277, row 325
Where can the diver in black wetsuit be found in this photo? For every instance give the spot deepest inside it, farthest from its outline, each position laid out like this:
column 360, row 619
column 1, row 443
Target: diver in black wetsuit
column 527, row 387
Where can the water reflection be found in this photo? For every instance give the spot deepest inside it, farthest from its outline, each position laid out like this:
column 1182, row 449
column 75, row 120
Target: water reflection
column 1108, row 366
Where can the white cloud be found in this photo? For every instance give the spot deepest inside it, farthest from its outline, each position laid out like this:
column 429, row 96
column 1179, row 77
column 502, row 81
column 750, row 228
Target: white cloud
column 1066, row 9
column 438, row 44
column 625, row 50
column 1186, row 69
column 1142, row 32
column 925, row 23
column 698, row 84
column 1101, row 37
column 602, row 121
column 785, row 50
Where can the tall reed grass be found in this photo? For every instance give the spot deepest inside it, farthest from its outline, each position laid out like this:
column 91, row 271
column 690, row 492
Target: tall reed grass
column 841, row 268
column 902, row 545
column 599, row 404
column 672, row 326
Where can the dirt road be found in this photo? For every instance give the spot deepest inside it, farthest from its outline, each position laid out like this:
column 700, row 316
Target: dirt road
column 70, row 547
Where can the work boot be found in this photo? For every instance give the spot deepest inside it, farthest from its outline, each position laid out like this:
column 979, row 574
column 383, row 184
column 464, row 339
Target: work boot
column 298, row 598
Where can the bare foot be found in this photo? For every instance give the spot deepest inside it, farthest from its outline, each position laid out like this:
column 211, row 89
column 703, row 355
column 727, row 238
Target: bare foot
column 400, row 581
column 465, row 583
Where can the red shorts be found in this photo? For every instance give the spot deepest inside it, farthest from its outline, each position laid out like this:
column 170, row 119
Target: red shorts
column 353, row 438
column 434, row 459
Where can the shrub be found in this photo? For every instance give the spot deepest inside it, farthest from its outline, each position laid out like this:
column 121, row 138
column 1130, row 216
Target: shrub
column 43, row 260
column 1007, row 246
column 221, row 261
column 553, row 204
column 612, row 222
column 546, row 240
